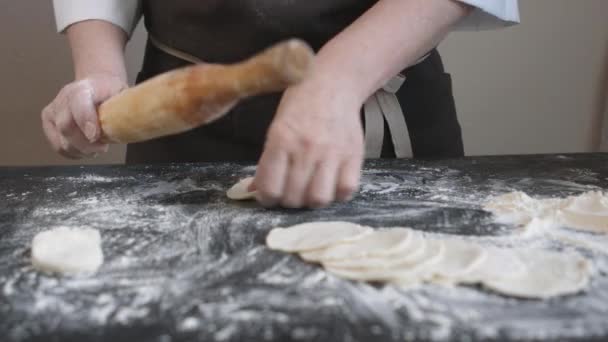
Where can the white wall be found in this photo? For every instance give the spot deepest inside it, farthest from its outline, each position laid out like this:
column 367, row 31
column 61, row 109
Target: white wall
column 539, row 87
column 535, row 88
column 35, row 64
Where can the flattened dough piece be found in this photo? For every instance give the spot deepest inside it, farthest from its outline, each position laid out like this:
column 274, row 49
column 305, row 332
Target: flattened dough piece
column 239, row 192
column 314, row 235
column 499, row 263
column 385, row 242
column 514, row 207
column 548, row 274
column 405, row 273
column 67, row 251
column 588, row 212
column 519, row 208
column 418, row 251
column 459, row 258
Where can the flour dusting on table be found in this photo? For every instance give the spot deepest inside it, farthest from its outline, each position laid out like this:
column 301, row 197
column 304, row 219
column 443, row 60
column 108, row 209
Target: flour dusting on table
column 181, row 259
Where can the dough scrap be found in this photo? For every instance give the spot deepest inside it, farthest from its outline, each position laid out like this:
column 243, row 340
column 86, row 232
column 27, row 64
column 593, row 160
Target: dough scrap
column 548, row 274
column 67, row 251
column 587, row 212
column 314, row 235
column 239, row 192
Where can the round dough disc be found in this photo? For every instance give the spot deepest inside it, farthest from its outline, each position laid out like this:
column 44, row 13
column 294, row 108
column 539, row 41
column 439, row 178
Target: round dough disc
column 498, row 263
column 239, row 190
column 416, row 251
column 67, row 251
column 380, row 243
column 514, row 207
column 314, row 235
column 548, row 274
column 519, row 208
column 406, row 273
column 459, row 258
column 586, row 212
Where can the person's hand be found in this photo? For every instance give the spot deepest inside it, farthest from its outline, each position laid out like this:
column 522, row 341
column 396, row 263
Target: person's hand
column 314, row 148
column 70, row 122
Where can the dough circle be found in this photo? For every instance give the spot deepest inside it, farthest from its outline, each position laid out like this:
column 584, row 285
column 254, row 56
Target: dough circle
column 548, row 274
column 67, row 250
column 314, row 235
column 397, row 271
column 408, row 258
column 459, row 259
column 498, row 263
column 382, row 243
column 239, row 192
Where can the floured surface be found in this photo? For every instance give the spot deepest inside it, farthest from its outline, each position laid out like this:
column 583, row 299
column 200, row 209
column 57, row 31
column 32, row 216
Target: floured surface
column 182, row 260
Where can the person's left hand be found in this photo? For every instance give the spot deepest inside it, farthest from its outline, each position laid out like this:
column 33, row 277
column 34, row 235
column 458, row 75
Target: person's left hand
column 314, row 148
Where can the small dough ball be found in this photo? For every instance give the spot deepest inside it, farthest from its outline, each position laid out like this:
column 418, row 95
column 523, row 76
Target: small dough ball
column 67, row 251
column 314, row 235
column 239, row 192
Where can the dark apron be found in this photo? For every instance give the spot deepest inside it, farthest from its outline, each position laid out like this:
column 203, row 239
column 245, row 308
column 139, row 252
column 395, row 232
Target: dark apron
column 227, row 31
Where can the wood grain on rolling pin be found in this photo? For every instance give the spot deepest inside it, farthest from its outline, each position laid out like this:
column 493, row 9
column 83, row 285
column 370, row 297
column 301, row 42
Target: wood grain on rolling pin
column 189, row 97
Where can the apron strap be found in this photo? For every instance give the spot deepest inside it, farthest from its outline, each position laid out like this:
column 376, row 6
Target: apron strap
column 384, row 105
column 173, row 52
column 374, row 128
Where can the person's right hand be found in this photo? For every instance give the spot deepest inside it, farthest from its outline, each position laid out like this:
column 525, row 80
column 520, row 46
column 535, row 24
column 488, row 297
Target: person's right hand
column 71, row 123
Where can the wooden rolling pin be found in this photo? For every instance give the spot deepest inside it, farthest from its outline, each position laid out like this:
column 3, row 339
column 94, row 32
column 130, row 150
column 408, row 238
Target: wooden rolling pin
column 189, row 97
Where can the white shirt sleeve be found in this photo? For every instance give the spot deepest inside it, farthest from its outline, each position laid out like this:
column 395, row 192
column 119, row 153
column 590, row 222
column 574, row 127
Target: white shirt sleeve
column 490, row 14
column 123, row 13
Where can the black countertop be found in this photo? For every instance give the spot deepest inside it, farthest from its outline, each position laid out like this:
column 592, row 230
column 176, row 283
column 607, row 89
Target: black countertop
column 185, row 263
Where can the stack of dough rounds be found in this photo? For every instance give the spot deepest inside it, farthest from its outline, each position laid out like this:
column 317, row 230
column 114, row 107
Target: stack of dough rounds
column 409, row 258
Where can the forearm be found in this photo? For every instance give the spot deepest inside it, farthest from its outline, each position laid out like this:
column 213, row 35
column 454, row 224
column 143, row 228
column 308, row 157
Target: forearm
column 97, row 48
column 386, row 39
